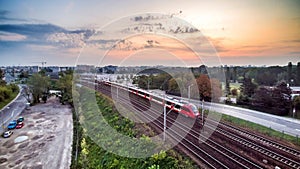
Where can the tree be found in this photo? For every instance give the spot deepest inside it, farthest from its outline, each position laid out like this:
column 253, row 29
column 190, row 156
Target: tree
column 296, row 102
column 2, row 82
column 234, row 74
column 204, row 87
column 289, row 72
column 298, row 74
column 38, row 85
column 234, row 92
column 266, row 78
column 65, row 85
column 275, row 100
column 227, row 85
column 173, row 86
column 248, row 87
column 209, row 89
column 216, row 90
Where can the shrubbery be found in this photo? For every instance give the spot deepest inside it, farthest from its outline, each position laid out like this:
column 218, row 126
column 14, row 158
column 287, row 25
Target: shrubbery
column 7, row 91
column 91, row 155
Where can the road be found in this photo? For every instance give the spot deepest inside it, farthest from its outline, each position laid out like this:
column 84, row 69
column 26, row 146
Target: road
column 13, row 109
column 282, row 124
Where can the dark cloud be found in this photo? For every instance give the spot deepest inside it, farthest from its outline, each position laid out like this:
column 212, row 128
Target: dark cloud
column 4, row 16
column 45, row 34
column 103, row 41
column 36, row 31
column 297, row 53
column 291, row 41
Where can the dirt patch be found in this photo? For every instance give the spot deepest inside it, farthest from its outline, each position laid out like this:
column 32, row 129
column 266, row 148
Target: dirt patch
column 29, row 156
column 8, row 143
column 3, row 160
column 30, row 125
column 45, row 142
column 23, row 145
column 36, row 137
column 13, row 151
column 40, row 121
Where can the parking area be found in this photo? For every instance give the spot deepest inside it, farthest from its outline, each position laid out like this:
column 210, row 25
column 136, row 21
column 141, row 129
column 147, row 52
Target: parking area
column 45, row 141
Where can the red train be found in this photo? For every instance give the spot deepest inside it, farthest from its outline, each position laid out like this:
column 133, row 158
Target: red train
column 186, row 109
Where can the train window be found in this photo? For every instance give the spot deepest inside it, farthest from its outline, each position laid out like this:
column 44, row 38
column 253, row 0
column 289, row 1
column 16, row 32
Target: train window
column 185, row 109
column 169, row 103
column 142, row 93
column 194, row 108
column 156, row 98
column 177, row 106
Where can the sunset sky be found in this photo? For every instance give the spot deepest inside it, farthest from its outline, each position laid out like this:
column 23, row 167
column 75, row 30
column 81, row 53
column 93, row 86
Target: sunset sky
column 241, row 32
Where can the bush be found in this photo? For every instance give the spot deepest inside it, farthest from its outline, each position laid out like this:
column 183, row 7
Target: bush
column 14, row 88
column 5, row 92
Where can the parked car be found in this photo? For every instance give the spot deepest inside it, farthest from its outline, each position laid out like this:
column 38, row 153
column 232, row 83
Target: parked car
column 20, row 119
column 19, row 125
column 12, row 125
column 7, row 134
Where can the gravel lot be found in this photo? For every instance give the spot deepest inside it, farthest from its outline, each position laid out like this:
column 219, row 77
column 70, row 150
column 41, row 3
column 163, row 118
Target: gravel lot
column 44, row 142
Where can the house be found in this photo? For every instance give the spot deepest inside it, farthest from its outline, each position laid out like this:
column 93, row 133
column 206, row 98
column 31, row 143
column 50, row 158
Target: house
column 295, row 91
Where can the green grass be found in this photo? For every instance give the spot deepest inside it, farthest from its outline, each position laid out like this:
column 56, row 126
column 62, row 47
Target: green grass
column 232, row 86
column 259, row 128
column 6, row 101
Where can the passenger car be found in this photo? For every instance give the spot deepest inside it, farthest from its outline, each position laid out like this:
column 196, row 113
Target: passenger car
column 20, row 119
column 7, row 134
column 12, row 125
column 19, row 125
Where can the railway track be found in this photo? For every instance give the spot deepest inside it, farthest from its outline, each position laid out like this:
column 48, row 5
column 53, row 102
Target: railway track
column 236, row 135
column 203, row 150
column 269, row 153
column 264, row 141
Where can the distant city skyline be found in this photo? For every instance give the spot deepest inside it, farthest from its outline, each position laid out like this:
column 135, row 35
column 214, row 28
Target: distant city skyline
column 242, row 32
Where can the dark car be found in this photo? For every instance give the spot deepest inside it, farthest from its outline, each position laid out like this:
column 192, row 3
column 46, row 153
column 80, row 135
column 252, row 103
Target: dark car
column 20, row 119
column 7, row 134
column 12, row 125
column 19, row 125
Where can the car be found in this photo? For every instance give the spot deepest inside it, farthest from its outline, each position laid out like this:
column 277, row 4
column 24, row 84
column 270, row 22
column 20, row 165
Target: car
column 20, row 119
column 12, row 125
column 19, row 125
column 7, row 134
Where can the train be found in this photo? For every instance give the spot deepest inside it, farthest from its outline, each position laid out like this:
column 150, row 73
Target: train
column 187, row 109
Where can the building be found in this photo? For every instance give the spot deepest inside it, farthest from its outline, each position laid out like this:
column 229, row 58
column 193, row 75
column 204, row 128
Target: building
column 295, row 91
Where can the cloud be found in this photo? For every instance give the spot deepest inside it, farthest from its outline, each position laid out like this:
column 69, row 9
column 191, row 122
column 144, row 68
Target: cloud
column 296, row 53
column 291, row 41
column 4, row 16
column 4, row 36
column 44, row 34
column 36, row 31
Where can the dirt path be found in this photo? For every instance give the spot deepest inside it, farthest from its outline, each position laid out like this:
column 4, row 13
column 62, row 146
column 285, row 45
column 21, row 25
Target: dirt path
column 48, row 134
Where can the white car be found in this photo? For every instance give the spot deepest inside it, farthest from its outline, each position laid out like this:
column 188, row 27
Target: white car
column 7, row 134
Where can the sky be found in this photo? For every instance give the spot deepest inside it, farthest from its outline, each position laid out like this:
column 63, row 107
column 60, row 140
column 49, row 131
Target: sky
column 156, row 32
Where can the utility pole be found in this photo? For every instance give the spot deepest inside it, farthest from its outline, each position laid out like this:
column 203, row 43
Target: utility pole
column 202, row 112
column 189, row 91
column 165, row 121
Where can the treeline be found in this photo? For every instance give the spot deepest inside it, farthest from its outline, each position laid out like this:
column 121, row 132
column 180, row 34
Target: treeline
column 39, row 85
column 263, row 88
column 7, row 91
column 199, row 86
column 266, row 76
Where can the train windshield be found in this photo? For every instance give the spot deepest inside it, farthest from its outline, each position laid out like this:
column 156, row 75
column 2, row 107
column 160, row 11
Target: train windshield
column 194, row 108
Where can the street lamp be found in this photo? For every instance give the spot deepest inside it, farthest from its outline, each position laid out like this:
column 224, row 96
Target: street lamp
column 189, row 91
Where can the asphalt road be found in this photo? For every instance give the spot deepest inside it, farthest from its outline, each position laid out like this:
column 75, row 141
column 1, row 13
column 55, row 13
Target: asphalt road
column 282, row 124
column 13, row 109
